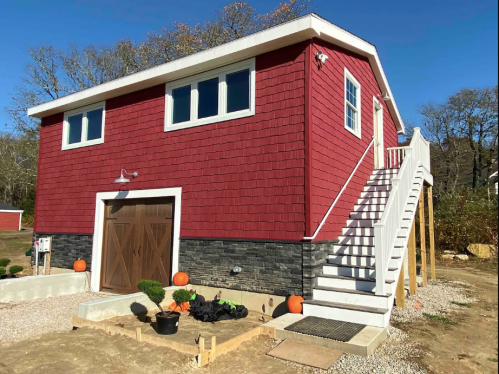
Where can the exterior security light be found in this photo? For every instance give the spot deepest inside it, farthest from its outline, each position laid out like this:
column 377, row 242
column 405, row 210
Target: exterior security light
column 237, row 269
column 122, row 179
column 385, row 96
column 320, row 56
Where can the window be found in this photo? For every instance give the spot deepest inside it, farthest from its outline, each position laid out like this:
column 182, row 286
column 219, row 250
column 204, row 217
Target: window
column 219, row 95
column 352, row 104
column 83, row 127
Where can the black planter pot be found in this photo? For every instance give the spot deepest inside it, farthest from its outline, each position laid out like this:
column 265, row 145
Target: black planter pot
column 167, row 325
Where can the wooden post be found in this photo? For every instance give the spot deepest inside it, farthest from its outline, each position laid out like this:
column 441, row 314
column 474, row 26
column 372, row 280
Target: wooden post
column 422, row 229
column 413, row 283
column 139, row 334
column 400, row 295
column 213, row 348
column 201, row 345
column 432, row 234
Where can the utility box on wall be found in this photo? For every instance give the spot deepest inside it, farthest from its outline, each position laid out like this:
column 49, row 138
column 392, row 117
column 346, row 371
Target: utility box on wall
column 43, row 245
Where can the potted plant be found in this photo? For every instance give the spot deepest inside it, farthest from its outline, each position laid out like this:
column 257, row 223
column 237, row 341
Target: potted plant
column 166, row 322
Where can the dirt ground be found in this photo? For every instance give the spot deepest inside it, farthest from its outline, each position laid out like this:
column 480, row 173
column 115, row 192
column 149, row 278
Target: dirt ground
column 13, row 245
column 468, row 343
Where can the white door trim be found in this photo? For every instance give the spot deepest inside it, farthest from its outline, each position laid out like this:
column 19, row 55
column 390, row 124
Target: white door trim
column 102, row 197
column 378, row 112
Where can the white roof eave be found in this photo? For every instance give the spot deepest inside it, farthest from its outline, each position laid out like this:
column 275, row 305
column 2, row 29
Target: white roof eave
column 293, row 32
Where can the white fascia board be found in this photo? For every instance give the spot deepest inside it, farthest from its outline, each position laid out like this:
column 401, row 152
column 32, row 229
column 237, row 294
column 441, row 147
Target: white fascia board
column 289, row 33
column 11, row 211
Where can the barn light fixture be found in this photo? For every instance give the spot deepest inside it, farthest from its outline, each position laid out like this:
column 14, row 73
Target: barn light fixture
column 385, row 96
column 122, row 178
column 320, row 56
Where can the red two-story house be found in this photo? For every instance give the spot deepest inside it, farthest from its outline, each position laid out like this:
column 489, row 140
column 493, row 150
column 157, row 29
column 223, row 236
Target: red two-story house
column 261, row 165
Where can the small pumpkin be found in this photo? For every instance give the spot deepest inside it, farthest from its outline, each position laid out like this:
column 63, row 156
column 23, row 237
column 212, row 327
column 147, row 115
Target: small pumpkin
column 181, row 279
column 295, row 304
column 80, row 266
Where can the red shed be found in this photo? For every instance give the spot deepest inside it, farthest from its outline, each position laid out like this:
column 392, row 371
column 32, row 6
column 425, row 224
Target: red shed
column 10, row 218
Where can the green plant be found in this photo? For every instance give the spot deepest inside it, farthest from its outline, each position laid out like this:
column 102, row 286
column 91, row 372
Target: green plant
column 462, row 305
column 15, row 269
column 3, row 271
column 181, row 296
column 154, row 292
column 4, row 262
column 440, row 319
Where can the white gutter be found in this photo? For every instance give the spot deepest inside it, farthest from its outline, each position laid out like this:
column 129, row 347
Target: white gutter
column 289, row 33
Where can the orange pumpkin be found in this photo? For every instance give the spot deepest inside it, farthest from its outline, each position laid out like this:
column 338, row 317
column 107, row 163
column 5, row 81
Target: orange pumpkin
column 80, row 266
column 295, row 304
column 181, row 279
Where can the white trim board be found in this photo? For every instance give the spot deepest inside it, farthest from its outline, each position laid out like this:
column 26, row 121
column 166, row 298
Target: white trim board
column 97, row 246
column 303, row 28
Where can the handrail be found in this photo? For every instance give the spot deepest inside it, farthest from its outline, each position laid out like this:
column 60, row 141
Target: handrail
column 340, row 193
column 386, row 231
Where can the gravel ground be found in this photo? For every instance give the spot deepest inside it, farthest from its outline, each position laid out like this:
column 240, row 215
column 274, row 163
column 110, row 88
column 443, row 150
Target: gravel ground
column 390, row 358
column 437, row 299
column 28, row 319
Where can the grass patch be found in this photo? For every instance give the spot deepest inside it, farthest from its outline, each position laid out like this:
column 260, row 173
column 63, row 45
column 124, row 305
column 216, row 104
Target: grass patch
column 440, row 319
column 462, row 305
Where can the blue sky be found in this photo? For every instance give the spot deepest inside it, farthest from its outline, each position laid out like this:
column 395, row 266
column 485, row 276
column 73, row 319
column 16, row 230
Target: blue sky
column 429, row 49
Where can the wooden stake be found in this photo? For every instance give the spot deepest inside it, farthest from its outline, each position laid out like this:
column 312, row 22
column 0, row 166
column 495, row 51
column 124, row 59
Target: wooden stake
column 213, row 347
column 139, row 334
column 432, row 234
column 413, row 283
column 422, row 233
column 201, row 345
column 400, row 295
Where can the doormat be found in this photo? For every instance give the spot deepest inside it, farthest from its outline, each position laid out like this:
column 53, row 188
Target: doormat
column 306, row 354
column 326, row 328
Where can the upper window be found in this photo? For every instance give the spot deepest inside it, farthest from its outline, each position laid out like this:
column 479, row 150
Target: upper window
column 352, row 104
column 220, row 95
column 84, row 127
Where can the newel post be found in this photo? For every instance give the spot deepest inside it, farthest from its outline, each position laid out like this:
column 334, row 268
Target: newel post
column 379, row 258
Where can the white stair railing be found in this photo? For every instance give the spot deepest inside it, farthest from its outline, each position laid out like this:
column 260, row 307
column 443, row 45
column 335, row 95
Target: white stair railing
column 386, row 230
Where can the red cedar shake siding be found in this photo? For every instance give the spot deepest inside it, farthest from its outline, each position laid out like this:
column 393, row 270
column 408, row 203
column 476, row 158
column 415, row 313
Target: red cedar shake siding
column 336, row 151
column 9, row 221
column 239, row 179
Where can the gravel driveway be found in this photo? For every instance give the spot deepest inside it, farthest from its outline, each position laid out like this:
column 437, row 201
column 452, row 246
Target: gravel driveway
column 27, row 319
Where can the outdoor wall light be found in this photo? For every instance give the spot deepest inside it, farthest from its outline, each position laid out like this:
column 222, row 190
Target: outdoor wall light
column 122, row 179
column 320, row 56
column 237, row 269
column 385, row 96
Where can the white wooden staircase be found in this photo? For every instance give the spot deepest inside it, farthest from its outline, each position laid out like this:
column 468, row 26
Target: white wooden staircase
column 359, row 281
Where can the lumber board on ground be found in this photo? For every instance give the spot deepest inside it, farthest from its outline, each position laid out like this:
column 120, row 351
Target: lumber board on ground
column 237, row 341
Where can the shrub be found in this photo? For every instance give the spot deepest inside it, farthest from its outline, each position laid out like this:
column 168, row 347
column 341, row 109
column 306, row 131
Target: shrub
column 4, row 262
column 15, row 269
column 3, row 271
column 181, row 296
column 154, row 292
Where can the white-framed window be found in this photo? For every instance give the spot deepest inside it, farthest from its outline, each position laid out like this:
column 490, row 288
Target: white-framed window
column 84, row 127
column 352, row 104
column 219, row 95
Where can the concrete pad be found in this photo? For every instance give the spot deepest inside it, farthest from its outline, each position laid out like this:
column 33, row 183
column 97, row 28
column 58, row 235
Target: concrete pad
column 42, row 286
column 306, row 354
column 363, row 344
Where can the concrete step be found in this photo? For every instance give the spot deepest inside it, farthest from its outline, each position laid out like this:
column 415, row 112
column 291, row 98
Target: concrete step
column 352, row 283
column 348, row 313
column 352, row 297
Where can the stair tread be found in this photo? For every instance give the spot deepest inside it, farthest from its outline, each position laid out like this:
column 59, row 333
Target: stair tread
column 346, row 306
column 360, row 279
column 357, row 267
column 368, row 256
column 345, row 290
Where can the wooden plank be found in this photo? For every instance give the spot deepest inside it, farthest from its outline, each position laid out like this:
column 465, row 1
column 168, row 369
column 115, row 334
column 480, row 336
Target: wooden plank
column 268, row 331
column 82, row 322
column 237, row 341
column 160, row 342
column 400, row 295
column 413, row 283
column 213, row 348
column 204, row 358
column 422, row 233
column 201, row 345
column 116, row 330
column 139, row 334
column 432, row 234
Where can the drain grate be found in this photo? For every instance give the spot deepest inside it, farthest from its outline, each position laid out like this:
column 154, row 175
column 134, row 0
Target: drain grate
column 326, row 328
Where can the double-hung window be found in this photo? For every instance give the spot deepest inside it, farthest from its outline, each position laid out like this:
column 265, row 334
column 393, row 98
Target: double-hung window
column 352, row 104
column 84, row 127
column 219, row 95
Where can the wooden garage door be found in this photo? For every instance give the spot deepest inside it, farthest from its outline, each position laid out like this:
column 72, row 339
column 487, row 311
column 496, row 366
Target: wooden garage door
column 137, row 243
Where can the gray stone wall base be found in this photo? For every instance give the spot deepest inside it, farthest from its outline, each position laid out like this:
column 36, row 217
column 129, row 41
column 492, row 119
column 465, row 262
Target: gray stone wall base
column 66, row 249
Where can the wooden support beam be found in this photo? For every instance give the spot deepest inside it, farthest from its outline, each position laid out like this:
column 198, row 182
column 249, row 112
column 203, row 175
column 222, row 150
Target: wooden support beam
column 432, row 234
column 413, row 283
column 400, row 295
column 422, row 233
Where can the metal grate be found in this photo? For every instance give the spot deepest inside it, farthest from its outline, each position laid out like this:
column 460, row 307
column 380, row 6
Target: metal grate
column 326, row 328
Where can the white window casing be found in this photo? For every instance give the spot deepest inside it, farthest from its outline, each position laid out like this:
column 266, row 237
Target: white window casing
column 84, row 130
column 222, row 115
column 357, row 131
